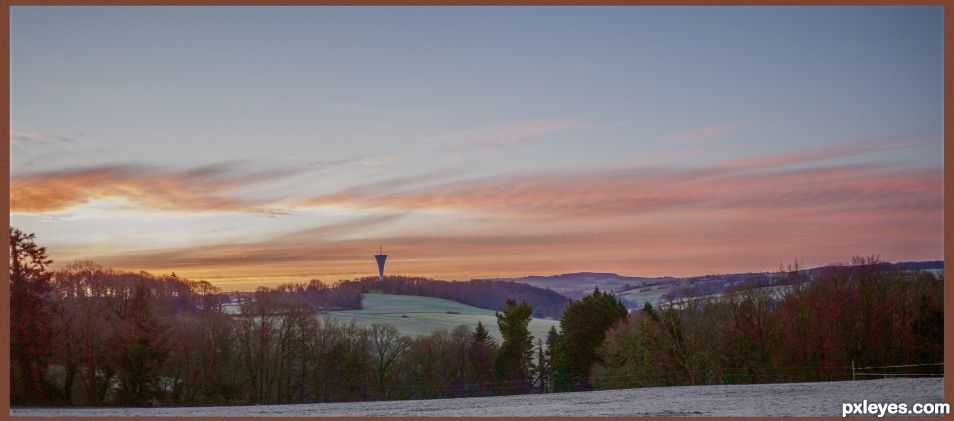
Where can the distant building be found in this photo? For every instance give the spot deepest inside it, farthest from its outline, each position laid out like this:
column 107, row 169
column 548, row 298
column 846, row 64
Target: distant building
column 380, row 257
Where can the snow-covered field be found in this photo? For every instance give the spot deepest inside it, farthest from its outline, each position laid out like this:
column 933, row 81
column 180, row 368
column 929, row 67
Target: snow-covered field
column 792, row 399
column 415, row 315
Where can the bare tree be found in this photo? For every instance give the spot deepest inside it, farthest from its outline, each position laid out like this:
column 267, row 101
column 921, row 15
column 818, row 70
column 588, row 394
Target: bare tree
column 387, row 345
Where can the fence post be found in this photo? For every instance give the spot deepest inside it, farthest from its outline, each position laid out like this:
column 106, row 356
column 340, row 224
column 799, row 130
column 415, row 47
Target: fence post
column 852, row 370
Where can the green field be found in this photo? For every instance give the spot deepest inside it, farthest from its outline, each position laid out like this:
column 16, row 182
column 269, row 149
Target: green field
column 414, row 315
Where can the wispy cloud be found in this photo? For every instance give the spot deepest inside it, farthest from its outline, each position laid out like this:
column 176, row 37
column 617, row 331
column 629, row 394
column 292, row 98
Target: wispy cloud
column 711, row 132
column 367, row 161
column 215, row 187
column 822, row 154
column 356, row 195
column 779, row 182
column 354, row 108
column 520, row 133
column 23, row 137
column 631, row 192
column 324, row 164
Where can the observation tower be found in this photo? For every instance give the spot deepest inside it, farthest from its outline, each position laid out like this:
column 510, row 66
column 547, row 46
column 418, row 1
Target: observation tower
column 380, row 257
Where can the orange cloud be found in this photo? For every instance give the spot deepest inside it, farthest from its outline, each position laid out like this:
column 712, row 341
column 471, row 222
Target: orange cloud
column 214, row 187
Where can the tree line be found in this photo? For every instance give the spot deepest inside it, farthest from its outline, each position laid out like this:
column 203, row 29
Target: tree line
column 862, row 314
column 85, row 335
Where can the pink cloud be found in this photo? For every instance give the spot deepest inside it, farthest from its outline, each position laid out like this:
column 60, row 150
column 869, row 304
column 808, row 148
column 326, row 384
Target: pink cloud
column 639, row 191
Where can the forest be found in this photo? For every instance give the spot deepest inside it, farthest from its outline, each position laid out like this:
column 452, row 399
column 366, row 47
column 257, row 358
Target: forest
column 85, row 335
column 860, row 314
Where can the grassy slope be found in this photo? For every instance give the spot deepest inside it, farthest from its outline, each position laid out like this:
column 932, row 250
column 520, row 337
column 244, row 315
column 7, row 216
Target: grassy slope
column 426, row 314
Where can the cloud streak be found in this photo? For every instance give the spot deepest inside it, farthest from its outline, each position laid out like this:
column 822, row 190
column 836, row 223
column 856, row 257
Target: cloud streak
column 215, row 187
column 21, row 137
column 772, row 183
column 500, row 137
column 712, row 132
column 367, row 161
column 354, row 108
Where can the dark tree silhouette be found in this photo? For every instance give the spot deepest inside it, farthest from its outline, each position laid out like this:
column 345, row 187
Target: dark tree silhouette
column 30, row 327
column 583, row 327
column 512, row 364
column 481, row 355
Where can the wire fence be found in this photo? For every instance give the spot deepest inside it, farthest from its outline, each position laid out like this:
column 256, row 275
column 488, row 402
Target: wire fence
column 900, row 374
column 901, row 366
column 857, row 371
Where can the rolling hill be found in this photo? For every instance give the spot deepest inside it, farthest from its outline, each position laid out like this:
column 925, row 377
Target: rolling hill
column 635, row 291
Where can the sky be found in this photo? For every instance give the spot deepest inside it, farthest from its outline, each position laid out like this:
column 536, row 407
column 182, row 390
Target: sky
column 253, row 146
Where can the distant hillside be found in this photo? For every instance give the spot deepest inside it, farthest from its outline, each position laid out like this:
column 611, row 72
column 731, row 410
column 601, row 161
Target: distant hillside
column 634, row 291
column 576, row 285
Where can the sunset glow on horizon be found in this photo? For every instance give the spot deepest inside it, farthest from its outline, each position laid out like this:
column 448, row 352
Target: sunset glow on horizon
column 476, row 142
